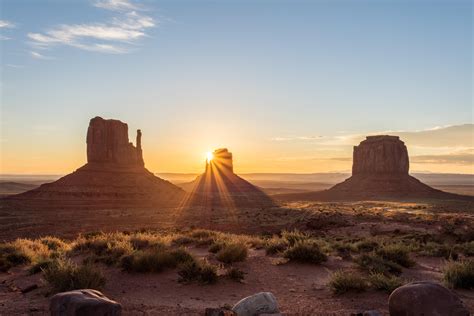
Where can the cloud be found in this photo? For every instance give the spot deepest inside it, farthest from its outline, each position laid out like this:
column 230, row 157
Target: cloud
column 116, row 5
column 116, row 36
column 15, row 66
column 39, row 56
column 460, row 158
column 6, row 24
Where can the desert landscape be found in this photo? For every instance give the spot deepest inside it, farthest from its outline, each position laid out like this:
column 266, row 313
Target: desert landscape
column 109, row 227
column 236, row 158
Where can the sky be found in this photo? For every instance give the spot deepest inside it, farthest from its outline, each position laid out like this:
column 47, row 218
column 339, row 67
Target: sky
column 287, row 86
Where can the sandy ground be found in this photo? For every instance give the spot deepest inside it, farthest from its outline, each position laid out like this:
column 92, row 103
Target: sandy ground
column 300, row 289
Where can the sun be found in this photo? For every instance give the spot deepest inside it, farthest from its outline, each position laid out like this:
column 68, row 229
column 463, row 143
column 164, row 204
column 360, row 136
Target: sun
column 209, row 156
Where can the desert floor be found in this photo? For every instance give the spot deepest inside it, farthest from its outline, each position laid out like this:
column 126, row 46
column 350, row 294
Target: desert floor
column 301, row 289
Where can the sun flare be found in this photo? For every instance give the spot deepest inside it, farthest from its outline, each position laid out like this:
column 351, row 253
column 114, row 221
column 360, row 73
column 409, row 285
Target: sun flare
column 209, row 156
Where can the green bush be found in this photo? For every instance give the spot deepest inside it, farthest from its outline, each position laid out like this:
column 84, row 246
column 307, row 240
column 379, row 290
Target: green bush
column 295, row 236
column 63, row 275
column 230, row 253
column 154, row 260
column 381, row 282
column 397, row 253
column 459, row 274
column 305, row 251
column 275, row 245
column 195, row 271
column 375, row 264
column 366, row 245
column 342, row 282
column 439, row 250
column 235, row 274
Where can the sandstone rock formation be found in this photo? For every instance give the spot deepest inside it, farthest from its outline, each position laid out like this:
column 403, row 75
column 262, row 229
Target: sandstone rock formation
column 114, row 175
column 425, row 298
column 107, row 142
column 379, row 171
column 380, row 155
column 219, row 185
column 83, row 302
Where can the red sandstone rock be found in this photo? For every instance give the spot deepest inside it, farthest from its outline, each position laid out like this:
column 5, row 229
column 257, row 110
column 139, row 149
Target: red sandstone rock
column 107, row 142
column 219, row 185
column 114, row 175
column 380, row 155
column 379, row 172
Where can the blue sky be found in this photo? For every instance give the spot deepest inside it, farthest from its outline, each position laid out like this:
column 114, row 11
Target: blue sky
column 195, row 75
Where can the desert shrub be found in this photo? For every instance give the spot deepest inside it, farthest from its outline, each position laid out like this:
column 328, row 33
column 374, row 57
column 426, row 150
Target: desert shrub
column 459, row 274
column 197, row 271
column 467, row 248
column 63, row 275
column 439, row 250
column 182, row 240
column 96, row 246
column 154, row 260
column 275, row 245
column 235, row 274
column 202, row 234
column 22, row 251
column 54, row 243
column 375, row 264
column 292, row 237
column 342, row 282
column 114, row 251
column 216, row 246
column 366, row 245
column 230, row 253
column 380, row 281
column 396, row 253
column 305, row 251
column 40, row 266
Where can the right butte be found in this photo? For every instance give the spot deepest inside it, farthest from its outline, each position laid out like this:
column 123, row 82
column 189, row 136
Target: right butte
column 379, row 172
column 380, row 155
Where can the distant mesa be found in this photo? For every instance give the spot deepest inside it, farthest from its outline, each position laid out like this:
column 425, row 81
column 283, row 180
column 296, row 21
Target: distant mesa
column 220, row 186
column 379, row 172
column 114, row 174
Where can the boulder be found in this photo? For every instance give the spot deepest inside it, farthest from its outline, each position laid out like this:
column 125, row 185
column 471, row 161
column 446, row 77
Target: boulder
column 85, row 302
column 425, row 298
column 260, row 303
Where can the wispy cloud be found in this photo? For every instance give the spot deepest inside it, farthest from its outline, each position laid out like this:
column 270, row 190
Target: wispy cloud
column 116, row 36
column 116, row 5
column 37, row 55
column 4, row 24
column 15, row 66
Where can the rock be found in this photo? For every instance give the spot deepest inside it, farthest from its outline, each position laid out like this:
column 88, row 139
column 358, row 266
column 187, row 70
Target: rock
column 371, row 313
column 381, row 154
column 219, row 185
column 260, row 303
column 219, row 312
column 425, row 298
column 83, row 302
column 114, row 176
column 379, row 172
column 107, row 142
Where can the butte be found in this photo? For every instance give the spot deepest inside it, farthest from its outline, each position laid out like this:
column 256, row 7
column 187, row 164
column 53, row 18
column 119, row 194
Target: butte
column 114, row 175
column 379, row 172
column 220, row 186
